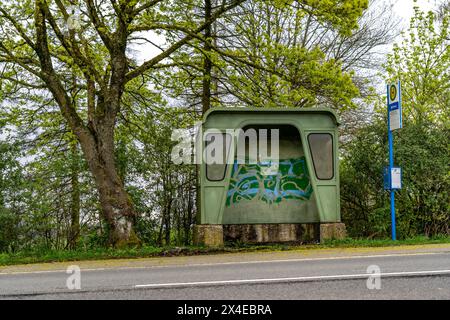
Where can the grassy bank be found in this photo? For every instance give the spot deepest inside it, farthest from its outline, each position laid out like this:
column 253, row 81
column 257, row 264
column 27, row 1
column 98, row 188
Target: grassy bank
column 42, row 256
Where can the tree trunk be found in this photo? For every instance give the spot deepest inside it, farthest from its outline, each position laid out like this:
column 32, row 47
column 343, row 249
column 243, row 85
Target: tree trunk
column 116, row 206
column 206, row 95
column 160, row 233
column 74, row 232
column 188, row 220
column 167, row 222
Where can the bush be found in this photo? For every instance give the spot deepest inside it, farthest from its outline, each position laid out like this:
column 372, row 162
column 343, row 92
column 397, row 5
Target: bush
column 9, row 230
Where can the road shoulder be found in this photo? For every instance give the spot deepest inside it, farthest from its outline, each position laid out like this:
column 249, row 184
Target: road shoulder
column 235, row 258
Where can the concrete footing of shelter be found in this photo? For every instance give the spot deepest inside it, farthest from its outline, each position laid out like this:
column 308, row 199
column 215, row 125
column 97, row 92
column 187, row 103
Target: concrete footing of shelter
column 332, row 231
column 210, row 235
column 216, row 235
column 271, row 233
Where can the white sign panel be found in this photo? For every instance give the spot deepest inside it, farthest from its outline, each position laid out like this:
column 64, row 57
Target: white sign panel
column 396, row 178
column 395, row 120
column 394, row 106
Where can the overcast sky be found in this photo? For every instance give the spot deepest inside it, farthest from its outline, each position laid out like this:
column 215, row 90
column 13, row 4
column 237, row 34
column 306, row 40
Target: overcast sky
column 404, row 8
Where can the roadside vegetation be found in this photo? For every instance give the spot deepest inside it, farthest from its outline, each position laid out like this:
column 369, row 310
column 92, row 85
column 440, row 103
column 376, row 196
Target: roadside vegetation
column 85, row 125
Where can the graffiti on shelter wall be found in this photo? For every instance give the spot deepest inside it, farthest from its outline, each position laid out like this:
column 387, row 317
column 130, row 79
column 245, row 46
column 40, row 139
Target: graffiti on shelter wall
column 290, row 181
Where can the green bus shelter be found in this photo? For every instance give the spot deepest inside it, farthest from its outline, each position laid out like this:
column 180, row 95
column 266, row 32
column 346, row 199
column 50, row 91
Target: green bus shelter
column 255, row 197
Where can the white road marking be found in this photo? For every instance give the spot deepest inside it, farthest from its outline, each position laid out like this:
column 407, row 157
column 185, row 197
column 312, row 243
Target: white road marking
column 293, row 279
column 232, row 263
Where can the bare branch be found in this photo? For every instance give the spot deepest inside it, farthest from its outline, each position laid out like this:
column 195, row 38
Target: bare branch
column 145, row 6
column 101, row 28
column 150, row 63
column 18, row 27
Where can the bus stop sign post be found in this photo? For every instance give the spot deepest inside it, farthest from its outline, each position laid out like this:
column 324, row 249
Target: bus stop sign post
column 393, row 175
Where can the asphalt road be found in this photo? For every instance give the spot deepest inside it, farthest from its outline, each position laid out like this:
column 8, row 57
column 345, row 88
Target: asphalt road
column 403, row 275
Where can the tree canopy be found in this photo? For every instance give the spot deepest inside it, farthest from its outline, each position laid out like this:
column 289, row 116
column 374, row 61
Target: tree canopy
column 90, row 91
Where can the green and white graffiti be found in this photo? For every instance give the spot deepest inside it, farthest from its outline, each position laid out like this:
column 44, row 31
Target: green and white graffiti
column 290, row 181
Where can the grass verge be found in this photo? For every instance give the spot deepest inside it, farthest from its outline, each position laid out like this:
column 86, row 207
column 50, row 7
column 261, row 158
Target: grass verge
column 45, row 256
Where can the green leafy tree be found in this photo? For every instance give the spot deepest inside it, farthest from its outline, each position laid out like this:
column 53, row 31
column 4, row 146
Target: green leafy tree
column 44, row 45
column 264, row 54
column 422, row 63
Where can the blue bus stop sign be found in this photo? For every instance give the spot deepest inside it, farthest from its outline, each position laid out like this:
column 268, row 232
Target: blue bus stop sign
column 392, row 175
column 394, row 106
